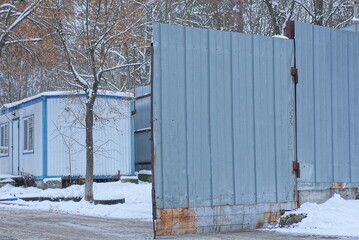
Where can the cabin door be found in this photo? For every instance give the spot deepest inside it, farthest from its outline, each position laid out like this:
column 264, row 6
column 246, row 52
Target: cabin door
column 15, row 147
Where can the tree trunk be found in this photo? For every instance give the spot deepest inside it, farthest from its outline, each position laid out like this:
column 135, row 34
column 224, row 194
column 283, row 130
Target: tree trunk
column 319, row 9
column 238, row 16
column 89, row 151
column 273, row 16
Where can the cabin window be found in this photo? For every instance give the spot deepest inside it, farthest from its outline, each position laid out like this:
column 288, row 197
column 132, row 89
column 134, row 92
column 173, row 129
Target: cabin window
column 4, row 139
column 29, row 134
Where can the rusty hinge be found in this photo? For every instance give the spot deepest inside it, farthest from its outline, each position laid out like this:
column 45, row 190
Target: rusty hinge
column 294, row 73
column 296, row 168
column 289, row 29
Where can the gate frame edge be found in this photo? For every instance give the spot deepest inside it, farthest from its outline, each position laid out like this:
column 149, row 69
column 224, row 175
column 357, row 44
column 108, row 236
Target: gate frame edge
column 153, row 192
column 290, row 34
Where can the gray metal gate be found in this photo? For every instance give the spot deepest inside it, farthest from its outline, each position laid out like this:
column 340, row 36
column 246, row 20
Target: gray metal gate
column 223, row 130
column 143, row 128
column 328, row 113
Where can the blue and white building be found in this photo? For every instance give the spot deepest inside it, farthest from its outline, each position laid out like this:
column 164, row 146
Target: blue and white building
column 44, row 135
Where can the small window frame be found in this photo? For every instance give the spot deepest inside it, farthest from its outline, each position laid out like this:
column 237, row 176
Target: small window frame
column 28, row 134
column 4, row 139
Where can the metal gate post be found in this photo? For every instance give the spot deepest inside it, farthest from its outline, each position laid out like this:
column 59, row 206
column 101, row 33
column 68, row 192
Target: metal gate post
column 290, row 33
column 154, row 215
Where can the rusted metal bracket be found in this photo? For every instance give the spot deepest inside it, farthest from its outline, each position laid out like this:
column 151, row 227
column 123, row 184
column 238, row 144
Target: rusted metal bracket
column 143, row 130
column 296, row 168
column 289, row 29
column 294, row 73
column 144, row 96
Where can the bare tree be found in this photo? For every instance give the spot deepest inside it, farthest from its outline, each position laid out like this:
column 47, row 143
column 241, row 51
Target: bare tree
column 333, row 13
column 92, row 34
column 26, row 50
column 11, row 18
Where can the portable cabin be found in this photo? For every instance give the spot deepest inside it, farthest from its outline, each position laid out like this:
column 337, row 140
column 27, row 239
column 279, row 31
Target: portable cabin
column 44, row 135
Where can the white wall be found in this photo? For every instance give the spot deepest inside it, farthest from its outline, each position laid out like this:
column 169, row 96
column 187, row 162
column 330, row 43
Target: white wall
column 30, row 163
column 66, row 137
column 5, row 161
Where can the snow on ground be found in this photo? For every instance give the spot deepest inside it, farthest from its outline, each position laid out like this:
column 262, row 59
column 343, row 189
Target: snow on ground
column 6, row 180
column 335, row 217
column 137, row 200
column 147, row 172
column 7, row 176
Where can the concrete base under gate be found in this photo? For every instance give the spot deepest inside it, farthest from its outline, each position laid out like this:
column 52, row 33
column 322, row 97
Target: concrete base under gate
column 321, row 192
column 219, row 218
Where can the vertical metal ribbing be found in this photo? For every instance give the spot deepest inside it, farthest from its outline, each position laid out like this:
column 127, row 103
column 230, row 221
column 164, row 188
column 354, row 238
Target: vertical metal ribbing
column 314, row 112
column 349, row 113
column 186, row 117
column 254, row 126
column 331, row 106
column 209, row 116
column 275, row 125
column 232, row 125
column 290, row 33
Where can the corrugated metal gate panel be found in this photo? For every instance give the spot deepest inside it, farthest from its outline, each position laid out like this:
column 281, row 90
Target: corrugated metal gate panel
column 142, row 128
column 327, row 100
column 143, row 108
column 223, row 119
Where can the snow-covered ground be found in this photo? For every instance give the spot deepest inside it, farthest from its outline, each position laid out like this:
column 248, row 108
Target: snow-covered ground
column 137, row 198
column 335, row 217
column 6, row 178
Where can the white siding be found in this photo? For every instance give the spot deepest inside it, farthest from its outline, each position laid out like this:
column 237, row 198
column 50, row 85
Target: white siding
column 30, row 163
column 5, row 161
column 66, row 137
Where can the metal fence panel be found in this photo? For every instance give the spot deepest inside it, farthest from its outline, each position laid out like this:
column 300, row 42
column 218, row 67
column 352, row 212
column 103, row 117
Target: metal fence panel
column 327, row 100
column 198, row 157
column 142, row 128
column 223, row 128
column 220, row 107
column 143, row 108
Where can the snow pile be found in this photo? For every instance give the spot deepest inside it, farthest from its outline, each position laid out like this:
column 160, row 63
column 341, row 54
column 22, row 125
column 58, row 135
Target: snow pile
column 46, row 180
column 280, row 36
column 137, row 197
column 6, row 180
column 8, row 176
column 335, row 217
column 128, row 177
column 146, row 172
column 21, row 192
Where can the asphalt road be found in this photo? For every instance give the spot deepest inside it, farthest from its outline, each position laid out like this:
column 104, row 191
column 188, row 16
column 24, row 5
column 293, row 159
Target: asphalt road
column 40, row 225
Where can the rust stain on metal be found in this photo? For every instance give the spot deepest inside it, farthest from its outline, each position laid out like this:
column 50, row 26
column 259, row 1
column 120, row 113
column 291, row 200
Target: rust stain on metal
column 269, row 216
column 176, row 222
column 289, row 30
column 338, row 185
column 296, row 168
column 294, row 73
column 144, row 96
